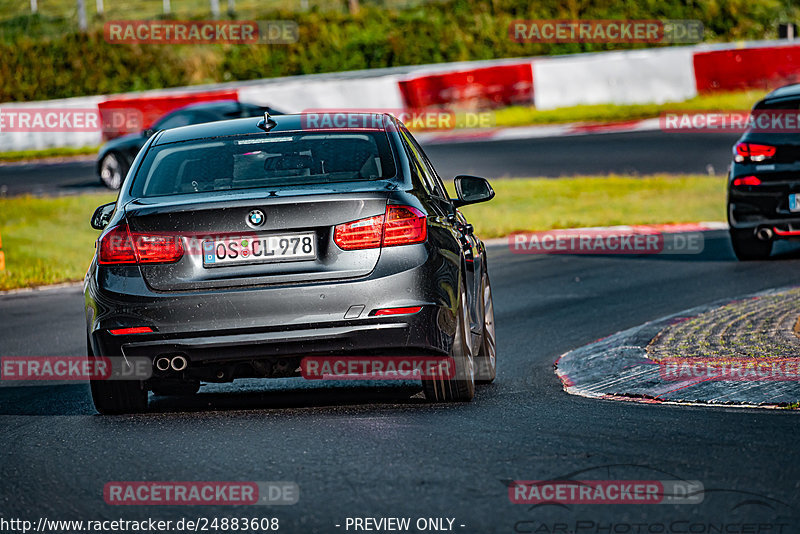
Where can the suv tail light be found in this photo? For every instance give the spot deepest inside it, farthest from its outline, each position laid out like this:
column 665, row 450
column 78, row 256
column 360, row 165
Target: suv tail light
column 747, row 180
column 120, row 246
column 400, row 225
column 753, row 152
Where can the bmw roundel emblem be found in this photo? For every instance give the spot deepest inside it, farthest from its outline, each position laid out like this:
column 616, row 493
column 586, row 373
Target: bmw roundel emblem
column 256, row 218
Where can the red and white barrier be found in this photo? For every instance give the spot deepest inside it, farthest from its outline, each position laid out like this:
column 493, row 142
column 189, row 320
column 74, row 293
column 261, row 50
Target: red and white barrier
column 765, row 67
column 32, row 140
column 293, row 95
column 655, row 75
column 152, row 107
column 628, row 77
column 477, row 88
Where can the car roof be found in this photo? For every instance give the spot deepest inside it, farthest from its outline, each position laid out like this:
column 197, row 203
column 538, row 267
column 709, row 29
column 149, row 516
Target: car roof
column 784, row 92
column 213, row 105
column 284, row 123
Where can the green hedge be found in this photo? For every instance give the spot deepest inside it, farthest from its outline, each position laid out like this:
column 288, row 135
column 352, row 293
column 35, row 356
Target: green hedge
column 41, row 62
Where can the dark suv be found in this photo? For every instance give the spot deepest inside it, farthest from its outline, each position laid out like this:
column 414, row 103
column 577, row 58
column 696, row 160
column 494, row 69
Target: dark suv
column 764, row 179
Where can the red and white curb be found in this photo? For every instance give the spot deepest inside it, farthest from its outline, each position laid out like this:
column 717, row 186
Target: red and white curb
column 617, row 367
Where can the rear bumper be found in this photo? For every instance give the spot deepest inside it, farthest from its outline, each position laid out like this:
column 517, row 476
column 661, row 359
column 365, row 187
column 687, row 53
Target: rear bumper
column 765, row 205
column 419, row 333
column 747, row 214
column 269, row 322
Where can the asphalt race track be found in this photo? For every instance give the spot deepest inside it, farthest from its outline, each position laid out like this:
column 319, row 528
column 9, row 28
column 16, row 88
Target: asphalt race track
column 626, row 153
column 73, row 176
column 359, row 452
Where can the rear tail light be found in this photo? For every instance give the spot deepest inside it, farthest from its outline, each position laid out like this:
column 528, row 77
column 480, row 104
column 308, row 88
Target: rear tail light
column 404, row 225
column 364, row 233
column 116, row 247
column 753, row 152
column 121, row 246
column 747, row 180
column 400, row 225
column 397, row 311
column 134, row 330
column 157, row 248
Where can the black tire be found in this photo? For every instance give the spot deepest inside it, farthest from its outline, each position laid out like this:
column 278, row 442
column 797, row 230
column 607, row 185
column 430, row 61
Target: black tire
column 186, row 387
column 486, row 359
column 458, row 386
column 117, row 396
column 112, row 170
column 749, row 248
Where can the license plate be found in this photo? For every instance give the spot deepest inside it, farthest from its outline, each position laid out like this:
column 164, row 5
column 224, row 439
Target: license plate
column 260, row 249
column 794, row 202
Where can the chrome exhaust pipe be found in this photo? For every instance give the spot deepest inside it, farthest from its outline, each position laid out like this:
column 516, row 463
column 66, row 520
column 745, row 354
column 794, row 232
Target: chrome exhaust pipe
column 162, row 363
column 764, row 234
column 179, row 363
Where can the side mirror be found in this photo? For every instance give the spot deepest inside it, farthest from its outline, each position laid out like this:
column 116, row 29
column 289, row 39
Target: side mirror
column 102, row 215
column 471, row 190
column 148, row 133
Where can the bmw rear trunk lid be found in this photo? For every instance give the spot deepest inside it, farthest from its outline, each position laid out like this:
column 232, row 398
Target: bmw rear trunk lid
column 244, row 238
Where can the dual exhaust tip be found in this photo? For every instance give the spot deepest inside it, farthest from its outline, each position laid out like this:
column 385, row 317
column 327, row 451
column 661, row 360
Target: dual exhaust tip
column 176, row 363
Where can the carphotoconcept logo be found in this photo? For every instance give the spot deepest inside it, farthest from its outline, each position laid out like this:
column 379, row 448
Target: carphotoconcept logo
column 201, row 31
column 576, row 491
column 606, row 31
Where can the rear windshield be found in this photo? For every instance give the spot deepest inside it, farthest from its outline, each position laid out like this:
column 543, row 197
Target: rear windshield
column 263, row 161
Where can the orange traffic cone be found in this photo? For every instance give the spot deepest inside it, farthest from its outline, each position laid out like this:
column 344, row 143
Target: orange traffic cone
column 2, row 257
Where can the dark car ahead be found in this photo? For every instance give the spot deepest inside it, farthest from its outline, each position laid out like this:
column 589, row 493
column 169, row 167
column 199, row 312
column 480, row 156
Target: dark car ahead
column 115, row 157
column 764, row 180
column 239, row 248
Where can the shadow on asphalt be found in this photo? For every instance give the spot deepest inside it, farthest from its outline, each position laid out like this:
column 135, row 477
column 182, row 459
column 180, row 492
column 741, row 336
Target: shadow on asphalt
column 76, row 400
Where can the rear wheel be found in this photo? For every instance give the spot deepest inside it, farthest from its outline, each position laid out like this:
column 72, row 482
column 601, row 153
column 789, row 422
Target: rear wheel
column 113, row 169
column 456, row 385
column 486, row 359
column 117, row 396
column 748, row 247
